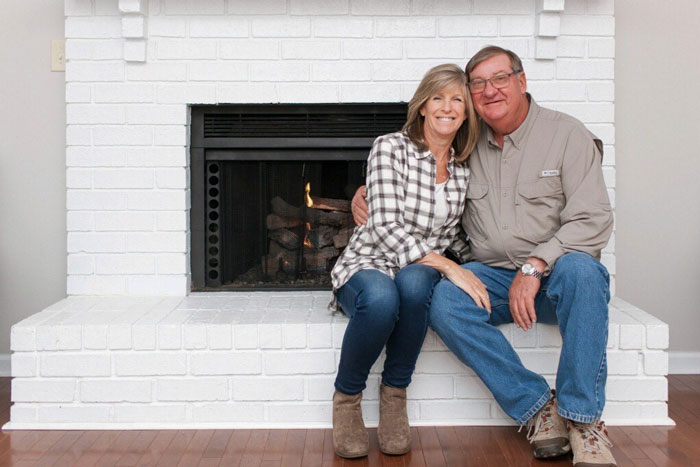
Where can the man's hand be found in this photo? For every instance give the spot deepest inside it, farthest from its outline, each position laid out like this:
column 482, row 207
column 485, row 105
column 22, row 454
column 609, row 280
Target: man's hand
column 521, row 296
column 360, row 213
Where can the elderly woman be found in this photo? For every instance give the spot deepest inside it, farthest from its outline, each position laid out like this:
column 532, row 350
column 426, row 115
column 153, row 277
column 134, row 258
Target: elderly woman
column 416, row 187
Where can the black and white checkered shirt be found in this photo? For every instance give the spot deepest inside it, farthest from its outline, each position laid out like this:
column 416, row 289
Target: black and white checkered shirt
column 401, row 201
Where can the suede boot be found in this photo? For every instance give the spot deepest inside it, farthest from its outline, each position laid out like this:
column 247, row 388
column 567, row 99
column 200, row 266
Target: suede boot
column 350, row 437
column 393, row 432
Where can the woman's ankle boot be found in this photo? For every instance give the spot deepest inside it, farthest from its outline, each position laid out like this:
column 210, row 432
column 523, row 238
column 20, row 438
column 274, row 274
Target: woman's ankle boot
column 393, row 432
column 350, row 438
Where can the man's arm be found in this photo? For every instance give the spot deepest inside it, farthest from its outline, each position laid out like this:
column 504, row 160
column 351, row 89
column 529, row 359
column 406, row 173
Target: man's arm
column 360, row 212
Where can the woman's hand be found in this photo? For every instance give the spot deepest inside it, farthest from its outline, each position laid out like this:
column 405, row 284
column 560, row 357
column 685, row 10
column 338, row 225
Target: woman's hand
column 462, row 278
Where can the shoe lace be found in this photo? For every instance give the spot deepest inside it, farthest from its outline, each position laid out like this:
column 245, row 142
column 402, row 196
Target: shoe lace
column 541, row 421
column 593, row 435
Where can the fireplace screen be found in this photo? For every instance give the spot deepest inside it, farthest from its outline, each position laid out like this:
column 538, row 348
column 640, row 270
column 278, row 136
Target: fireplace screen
column 271, row 186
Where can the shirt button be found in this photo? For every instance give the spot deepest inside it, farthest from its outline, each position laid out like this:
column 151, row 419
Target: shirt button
column 505, row 194
column 505, row 227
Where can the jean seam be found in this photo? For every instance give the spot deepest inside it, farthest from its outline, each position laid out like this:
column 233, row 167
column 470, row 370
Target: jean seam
column 576, row 417
column 537, row 406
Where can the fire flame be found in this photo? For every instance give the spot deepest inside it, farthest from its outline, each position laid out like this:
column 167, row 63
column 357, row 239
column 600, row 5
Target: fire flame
column 307, row 196
column 307, row 242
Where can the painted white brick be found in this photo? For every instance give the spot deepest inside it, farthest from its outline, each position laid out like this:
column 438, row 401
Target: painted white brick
column 229, row 412
column 440, row 363
column 122, row 135
column 657, row 336
column 166, row 27
column 525, row 339
column 94, row 71
column 600, row 47
column 53, row 336
column 80, row 221
column 95, row 157
column 431, row 387
column 77, row 8
column 537, row 69
column 460, row 26
column 585, row 69
column 580, row 25
column 600, row 7
column 358, row 49
column 73, row 413
column 623, row 363
column 93, row 200
column 340, row 71
column 470, row 387
column 172, row 221
column 501, row 6
column 558, row 90
column 571, row 46
column 546, row 48
column 157, row 114
column 299, row 92
column 200, row 389
column 319, row 50
column 321, row 388
column 601, row 91
column 342, row 27
column 136, row 50
column 219, row 71
column 219, row 336
column 294, row 336
column 245, row 336
column 390, row 71
column 156, row 157
column 194, row 336
column 656, row 363
column 454, row 410
column 311, row 413
column 621, row 388
column 23, row 413
column 405, row 27
column 320, row 336
column 42, row 390
column 249, row 49
column 148, row 364
column 195, row 7
column 94, row 49
column 338, row 332
column 314, row 7
column 143, row 337
column 74, row 364
column 260, row 7
column 156, row 72
column 157, row 200
column 226, row 363
column 372, row 8
column 186, row 93
column 150, row 413
column 270, row 336
column 133, row 26
column 125, row 390
column 124, row 264
column 370, row 93
column 589, row 112
column 23, row 364
column 93, row 28
column 268, row 389
column 95, row 242
column 93, row 285
column 123, row 221
column 540, row 361
column 123, row 178
column 286, row 27
column 289, row 363
column 170, row 136
column 132, row 6
column 78, row 135
column 22, row 338
column 124, row 92
column 171, row 264
column 432, row 49
column 106, row 7
column 432, row 7
column 548, row 24
column 79, row 178
column 81, row 264
column 511, row 25
column 180, row 49
column 276, row 72
column 548, row 336
column 161, row 242
column 246, row 93
column 609, row 158
column 169, row 336
column 78, row 93
column 218, row 27
column 550, row 5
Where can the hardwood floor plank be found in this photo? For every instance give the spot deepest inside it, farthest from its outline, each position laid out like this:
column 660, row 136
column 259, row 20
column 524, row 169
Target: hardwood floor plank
column 618, row 436
column 640, row 438
column 274, row 447
column 173, row 453
column 294, row 448
column 195, row 449
column 56, row 451
column 432, row 451
column 137, row 449
column 255, row 448
column 116, row 450
column 235, row 448
column 414, row 457
column 157, row 447
column 217, row 444
column 71, row 455
column 329, row 457
column 93, row 453
column 451, row 447
column 313, row 448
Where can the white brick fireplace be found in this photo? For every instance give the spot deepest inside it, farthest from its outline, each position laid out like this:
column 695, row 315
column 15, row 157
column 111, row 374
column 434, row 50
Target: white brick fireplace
column 152, row 355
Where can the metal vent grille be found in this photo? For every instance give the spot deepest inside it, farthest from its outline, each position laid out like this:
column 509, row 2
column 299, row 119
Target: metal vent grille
column 307, row 122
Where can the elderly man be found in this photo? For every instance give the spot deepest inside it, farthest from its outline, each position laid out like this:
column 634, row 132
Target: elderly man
column 537, row 218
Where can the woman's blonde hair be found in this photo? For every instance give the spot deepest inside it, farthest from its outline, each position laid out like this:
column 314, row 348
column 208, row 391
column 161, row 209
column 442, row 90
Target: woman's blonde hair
column 434, row 81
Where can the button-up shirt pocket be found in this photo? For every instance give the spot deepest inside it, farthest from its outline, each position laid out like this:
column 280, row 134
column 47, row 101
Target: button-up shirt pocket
column 538, row 205
column 475, row 223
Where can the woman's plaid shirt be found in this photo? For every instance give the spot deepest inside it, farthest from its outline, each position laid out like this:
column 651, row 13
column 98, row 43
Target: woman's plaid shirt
column 401, row 201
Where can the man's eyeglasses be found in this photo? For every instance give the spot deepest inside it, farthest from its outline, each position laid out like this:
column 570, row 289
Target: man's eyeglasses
column 498, row 82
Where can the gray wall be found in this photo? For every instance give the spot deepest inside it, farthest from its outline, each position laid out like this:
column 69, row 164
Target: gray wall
column 32, row 154
column 657, row 77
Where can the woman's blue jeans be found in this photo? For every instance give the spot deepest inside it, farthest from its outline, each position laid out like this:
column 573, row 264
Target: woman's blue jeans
column 575, row 296
column 384, row 311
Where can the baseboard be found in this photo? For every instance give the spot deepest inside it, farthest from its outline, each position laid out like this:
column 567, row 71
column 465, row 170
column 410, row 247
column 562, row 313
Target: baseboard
column 684, row 363
column 5, row 369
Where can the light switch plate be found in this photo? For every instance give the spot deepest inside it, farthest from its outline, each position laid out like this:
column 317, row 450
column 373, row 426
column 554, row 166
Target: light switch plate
column 58, row 55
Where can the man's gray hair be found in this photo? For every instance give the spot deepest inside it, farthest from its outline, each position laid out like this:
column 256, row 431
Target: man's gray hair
column 491, row 51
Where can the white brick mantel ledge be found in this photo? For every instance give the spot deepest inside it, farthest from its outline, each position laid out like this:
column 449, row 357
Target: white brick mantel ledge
column 268, row 360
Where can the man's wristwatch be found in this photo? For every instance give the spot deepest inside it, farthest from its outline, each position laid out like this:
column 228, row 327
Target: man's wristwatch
column 529, row 270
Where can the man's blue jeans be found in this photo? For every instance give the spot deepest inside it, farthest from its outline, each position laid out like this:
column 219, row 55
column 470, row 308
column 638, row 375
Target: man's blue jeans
column 384, row 311
column 575, row 296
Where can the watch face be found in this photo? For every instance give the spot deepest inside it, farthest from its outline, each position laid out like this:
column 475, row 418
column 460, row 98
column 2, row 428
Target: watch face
column 527, row 268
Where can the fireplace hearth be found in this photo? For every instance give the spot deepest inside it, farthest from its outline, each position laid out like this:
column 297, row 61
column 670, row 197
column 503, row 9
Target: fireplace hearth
column 270, row 190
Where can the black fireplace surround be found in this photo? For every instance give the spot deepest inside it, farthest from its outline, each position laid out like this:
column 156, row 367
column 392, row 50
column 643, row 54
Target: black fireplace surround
column 254, row 168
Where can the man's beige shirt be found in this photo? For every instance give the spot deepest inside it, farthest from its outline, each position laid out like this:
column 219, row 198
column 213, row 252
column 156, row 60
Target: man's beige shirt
column 541, row 195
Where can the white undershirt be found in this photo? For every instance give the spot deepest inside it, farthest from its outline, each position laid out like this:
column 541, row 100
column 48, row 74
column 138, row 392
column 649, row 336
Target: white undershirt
column 441, row 208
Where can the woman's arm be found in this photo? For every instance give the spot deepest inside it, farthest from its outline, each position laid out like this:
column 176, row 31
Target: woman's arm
column 462, row 278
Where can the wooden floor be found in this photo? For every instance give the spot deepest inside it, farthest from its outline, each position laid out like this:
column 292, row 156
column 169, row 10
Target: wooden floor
column 432, row 446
